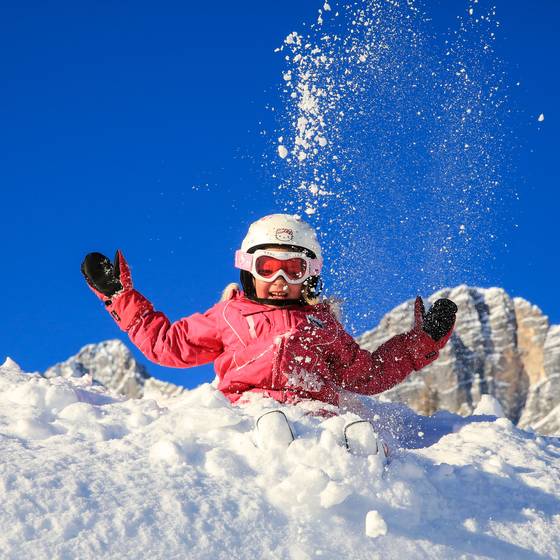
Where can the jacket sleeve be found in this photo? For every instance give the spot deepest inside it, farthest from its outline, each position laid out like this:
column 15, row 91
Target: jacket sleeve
column 189, row 342
column 370, row 373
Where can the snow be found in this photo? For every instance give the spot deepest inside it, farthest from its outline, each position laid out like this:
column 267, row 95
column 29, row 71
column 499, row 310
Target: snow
column 272, row 431
column 365, row 88
column 541, row 117
column 489, row 406
column 86, row 473
column 282, row 151
column 375, row 525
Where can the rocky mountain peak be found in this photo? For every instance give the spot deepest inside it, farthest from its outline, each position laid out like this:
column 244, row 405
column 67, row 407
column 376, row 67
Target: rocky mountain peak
column 112, row 364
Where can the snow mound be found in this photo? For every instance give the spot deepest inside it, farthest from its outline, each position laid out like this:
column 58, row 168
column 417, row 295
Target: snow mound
column 490, row 406
column 86, row 473
column 375, row 525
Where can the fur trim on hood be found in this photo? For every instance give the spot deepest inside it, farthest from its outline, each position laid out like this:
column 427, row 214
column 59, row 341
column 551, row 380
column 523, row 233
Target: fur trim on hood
column 229, row 291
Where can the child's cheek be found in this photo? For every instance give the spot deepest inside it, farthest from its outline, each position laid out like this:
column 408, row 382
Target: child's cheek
column 295, row 291
column 261, row 288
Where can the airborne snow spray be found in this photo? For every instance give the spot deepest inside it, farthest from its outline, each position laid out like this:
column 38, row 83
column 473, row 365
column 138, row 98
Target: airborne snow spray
column 391, row 142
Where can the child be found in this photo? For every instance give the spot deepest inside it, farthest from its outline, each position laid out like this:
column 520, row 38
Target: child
column 274, row 337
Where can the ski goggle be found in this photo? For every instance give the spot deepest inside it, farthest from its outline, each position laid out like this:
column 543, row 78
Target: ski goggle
column 265, row 265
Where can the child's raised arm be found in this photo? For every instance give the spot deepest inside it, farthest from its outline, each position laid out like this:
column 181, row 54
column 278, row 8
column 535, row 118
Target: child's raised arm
column 191, row 341
column 370, row 373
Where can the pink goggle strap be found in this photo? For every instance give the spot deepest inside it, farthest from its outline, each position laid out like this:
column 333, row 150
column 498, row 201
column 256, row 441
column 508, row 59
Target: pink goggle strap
column 243, row 260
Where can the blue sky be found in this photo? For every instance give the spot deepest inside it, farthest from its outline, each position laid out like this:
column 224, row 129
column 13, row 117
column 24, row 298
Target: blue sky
column 139, row 126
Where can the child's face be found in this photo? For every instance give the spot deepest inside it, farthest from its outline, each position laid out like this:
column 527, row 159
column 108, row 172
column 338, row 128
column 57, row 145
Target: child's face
column 278, row 289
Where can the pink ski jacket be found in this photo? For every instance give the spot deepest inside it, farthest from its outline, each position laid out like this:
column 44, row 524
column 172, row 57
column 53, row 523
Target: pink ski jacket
column 287, row 353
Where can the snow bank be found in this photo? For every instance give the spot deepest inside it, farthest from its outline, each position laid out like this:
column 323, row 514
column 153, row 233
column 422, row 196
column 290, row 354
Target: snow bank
column 85, row 473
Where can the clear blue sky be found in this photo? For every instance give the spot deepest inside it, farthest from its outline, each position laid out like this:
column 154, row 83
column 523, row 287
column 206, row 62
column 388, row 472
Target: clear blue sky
column 138, row 126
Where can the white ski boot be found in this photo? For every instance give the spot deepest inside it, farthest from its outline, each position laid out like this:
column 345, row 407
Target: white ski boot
column 361, row 439
column 273, row 431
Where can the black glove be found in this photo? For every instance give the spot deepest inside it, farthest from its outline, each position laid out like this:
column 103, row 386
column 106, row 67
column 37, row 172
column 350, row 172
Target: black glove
column 440, row 318
column 101, row 274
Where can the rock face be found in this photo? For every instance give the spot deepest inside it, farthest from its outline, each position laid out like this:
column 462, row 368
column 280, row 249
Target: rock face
column 501, row 346
column 112, row 364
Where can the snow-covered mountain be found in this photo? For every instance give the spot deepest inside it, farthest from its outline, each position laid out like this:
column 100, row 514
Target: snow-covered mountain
column 502, row 346
column 112, row 364
column 86, row 473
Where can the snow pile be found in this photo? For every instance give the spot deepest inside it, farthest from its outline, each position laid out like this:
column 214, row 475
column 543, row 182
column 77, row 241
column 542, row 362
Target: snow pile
column 88, row 474
column 489, row 406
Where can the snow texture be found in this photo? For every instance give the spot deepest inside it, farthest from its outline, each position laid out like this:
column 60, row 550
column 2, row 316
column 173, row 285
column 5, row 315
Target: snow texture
column 489, row 406
column 375, row 525
column 86, row 473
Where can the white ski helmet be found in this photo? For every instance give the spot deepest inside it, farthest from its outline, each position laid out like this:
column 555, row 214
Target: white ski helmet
column 282, row 229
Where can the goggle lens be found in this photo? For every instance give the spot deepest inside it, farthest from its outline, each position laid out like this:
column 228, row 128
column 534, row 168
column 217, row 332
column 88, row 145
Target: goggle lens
column 268, row 266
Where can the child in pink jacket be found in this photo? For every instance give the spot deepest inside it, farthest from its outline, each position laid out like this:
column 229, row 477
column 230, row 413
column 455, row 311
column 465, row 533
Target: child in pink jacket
column 274, row 337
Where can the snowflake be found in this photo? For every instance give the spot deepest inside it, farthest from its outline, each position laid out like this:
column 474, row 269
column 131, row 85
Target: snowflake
column 300, row 378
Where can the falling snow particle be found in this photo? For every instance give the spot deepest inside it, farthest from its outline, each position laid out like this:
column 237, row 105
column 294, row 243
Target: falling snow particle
column 282, row 152
column 470, row 525
column 541, row 117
